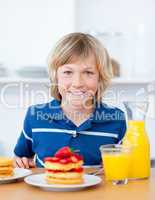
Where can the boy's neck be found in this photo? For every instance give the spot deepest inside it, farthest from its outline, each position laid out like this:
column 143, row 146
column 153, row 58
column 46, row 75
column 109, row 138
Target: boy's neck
column 78, row 116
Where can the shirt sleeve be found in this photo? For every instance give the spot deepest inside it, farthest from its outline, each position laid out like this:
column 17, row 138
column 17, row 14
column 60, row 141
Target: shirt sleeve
column 24, row 144
column 122, row 127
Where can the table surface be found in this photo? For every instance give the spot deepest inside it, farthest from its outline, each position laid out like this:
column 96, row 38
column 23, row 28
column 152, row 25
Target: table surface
column 137, row 189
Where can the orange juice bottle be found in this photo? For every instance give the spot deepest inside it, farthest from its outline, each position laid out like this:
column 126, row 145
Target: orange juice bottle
column 136, row 136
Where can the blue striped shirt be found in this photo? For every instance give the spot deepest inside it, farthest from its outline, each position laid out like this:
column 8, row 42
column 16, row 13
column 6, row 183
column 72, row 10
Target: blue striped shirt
column 46, row 129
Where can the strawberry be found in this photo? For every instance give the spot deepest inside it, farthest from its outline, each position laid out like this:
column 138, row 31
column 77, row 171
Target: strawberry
column 51, row 159
column 53, row 171
column 78, row 170
column 64, row 152
column 65, row 161
column 74, row 159
column 77, row 156
column 47, row 159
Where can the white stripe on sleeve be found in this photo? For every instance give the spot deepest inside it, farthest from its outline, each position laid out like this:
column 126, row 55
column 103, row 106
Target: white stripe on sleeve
column 40, row 161
column 26, row 136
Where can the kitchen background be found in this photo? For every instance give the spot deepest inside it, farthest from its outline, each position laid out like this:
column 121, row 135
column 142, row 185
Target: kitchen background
column 30, row 28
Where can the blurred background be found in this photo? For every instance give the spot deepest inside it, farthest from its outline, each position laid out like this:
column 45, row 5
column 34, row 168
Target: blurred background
column 29, row 29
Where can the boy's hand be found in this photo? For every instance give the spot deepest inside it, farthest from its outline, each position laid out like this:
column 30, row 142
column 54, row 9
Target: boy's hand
column 23, row 162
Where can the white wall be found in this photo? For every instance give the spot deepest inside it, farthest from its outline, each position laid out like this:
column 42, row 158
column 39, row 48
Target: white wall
column 15, row 97
column 29, row 28
column 134, row 18
column 120, row 14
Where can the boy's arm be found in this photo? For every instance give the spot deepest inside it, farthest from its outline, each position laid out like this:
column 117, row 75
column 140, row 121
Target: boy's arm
column 23, row 149
column 123, row 127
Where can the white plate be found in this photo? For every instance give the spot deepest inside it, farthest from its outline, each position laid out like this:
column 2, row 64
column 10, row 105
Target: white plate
column 18, row 174
column 39, row 181
column 92, row 166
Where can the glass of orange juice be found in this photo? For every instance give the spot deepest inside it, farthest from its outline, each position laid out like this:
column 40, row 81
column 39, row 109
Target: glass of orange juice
column 116, row 162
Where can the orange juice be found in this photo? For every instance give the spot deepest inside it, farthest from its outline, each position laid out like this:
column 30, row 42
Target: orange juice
column 140, row 155
column 116, row 165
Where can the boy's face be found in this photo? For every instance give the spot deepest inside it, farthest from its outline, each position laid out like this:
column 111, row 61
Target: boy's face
column 78, row 82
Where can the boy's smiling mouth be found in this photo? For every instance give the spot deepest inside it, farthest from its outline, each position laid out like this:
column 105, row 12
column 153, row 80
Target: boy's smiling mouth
column 77, row 93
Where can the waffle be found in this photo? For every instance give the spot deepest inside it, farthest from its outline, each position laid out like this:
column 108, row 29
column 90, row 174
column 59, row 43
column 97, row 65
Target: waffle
column 6, row 167
column 65, row 167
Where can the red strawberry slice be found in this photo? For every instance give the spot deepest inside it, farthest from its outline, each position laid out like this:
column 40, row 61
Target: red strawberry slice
column 65, row 161
column 78, row 170
column 64, row 152
column 74, row 159
column 51, row 159
column 47, row 159
column 53, row 171
column 77, row 156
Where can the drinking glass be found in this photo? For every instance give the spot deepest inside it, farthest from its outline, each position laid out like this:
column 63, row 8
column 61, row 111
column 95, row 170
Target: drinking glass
column 116, row 162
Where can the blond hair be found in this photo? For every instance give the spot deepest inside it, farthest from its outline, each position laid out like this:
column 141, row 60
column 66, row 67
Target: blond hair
column 82, row 46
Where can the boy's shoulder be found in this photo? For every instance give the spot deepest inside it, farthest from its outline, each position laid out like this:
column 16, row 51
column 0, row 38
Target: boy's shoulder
column 106, row 113
column 109, row 108
column 48, row 107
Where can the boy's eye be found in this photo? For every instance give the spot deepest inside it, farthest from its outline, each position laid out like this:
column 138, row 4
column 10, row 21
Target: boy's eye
column 89, row 72
column 67, row 72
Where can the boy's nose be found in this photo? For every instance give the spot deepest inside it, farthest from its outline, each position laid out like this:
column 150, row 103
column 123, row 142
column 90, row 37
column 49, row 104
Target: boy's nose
column 77, row 81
